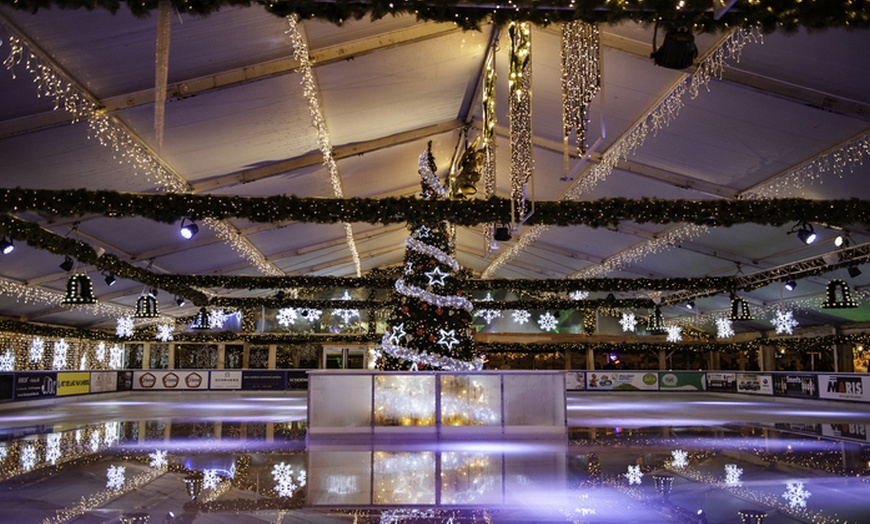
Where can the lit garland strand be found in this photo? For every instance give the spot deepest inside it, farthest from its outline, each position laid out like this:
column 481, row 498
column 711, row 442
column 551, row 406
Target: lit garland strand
column 836, row 162
column 520, row 110
column 107, row 129
column 32, row 295
column 113, row 133
column 581, row 80
column 310, row 90
column 242, row 246
column 658, row 118
column 488, row 145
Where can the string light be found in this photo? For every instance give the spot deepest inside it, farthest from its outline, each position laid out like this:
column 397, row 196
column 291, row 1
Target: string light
column 310, row 90
column 581, row 80
column 520, row 113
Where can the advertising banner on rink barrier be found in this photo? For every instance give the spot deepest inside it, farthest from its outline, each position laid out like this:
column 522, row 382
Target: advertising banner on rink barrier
column 725, row 382
column 171, row 379
column 575, row 380
column 35, row 385
column 845, row 387
column 104, row 381
column 621, row 380
column 795, row 385
column 73, row 383
column 264, row 380
column 225, row 379
column 682, row 381
column 755, row 383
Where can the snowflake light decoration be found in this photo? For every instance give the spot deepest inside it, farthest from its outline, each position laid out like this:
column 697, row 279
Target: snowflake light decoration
column 784, row 322
column 634, row 475
column 116, row 477
column 521, row 316
column 124, row 327
column 52, row 448
column 28, row 457
column 164, row 332
column 436, row 276
column 285, row 480
column 724, row 328
column 675, row 333
column 216, row 318
column 732, row 475
column 448, row 338
column 115, row 354
column 796, row 495
column 578, row 295
column 346, row 314
column 158, row 459
column 83, row 362
column 4, row 452
column 7, row 361
column 37, row 348
column 210, row 479
column 679, row 458
column 628, row 322
column 310, row 314
column 61, row 347
column 487, row 314
column 287, row 316
column 100, row 351
column 547, row 322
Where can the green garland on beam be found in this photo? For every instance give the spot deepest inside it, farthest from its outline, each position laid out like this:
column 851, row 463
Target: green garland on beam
column 593, row 213
column 786, row 14
column 326, row 304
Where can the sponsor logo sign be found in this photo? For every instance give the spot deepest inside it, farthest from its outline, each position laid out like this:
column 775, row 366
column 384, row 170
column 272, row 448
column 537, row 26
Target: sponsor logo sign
column 73, row 383
column 170, row 380
column 844, row 387
column 621, row 381
column 756, row 384
column 225, row 380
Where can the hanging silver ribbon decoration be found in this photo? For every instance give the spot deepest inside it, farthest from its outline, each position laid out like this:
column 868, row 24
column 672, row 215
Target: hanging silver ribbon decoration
column 161, row 60
column 581, row 80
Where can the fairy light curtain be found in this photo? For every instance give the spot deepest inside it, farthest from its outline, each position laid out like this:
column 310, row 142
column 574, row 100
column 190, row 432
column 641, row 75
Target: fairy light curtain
column 581, row 80
column 520, row 112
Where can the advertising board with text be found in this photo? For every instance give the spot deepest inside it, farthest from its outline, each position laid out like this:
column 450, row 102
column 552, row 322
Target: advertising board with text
column 173, row 379
column 621, row 381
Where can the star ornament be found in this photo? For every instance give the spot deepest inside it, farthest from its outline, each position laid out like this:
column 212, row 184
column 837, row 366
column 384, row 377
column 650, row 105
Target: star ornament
column 448, row 338
column 436, row 276
column 397, row 334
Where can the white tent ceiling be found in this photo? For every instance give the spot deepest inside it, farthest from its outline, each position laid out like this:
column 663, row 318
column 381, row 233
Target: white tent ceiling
column 237, row 122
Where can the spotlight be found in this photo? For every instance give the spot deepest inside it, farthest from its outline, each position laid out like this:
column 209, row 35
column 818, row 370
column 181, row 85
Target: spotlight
column 180, row 300
column 805, row 232
column 854, row 271
column 67, row 263
column 188, row 228
column 610, row 298
column 790, row 284
column 690, row 304
column 502, row 233
column 110, row 279
column 840, row 241
column 6, row 246
column 678, row 50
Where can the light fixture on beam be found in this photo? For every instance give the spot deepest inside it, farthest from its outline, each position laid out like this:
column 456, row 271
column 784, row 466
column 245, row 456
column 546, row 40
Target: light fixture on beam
column 179, row 300
column 502, row 233
column 109, row 278
column 805, row 232
column 188, row 228
column 854, row 271
column 67, row 263
column 790, row 284
column 678, row 50
column 6, row 245
column 690, row 304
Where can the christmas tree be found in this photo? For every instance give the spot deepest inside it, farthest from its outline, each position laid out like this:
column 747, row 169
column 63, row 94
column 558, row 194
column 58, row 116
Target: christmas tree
column 430, row 325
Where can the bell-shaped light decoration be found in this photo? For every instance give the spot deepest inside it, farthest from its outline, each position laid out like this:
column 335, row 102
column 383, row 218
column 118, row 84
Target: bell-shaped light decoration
column 200, row 321
column 79, row 290
column 146, row 307
column 656, row 323
column 739, row 309
column 838, row 295
column 193, row 481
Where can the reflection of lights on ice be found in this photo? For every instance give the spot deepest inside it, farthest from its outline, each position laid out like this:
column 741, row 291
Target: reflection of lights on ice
column 795, row 494
column 341, row 484
column 95, row 440
column 679, row 458
column 210, row 479
column 634, row 475
column 115, row 477
column 404, row 478
column 732, row 475
column 467, row 477
column 158, row 459
column 112, row 432
column 52, row 448
column 28, row 457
